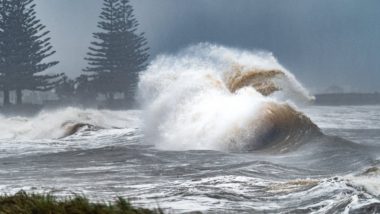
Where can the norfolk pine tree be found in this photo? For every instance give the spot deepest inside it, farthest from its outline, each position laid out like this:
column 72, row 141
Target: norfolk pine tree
column 118, row 53
column 24, row 46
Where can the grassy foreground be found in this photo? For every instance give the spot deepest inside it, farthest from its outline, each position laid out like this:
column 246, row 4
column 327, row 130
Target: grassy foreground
column 23, row 203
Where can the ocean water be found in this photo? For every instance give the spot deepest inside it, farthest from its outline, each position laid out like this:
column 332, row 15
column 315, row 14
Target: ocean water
column 219, row 130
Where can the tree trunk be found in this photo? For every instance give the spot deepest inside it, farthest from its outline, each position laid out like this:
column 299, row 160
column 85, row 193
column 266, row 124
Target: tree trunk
column 19, row 96
column 6, row 101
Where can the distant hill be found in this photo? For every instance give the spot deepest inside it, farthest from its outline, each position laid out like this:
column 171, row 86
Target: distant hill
column 332, row 99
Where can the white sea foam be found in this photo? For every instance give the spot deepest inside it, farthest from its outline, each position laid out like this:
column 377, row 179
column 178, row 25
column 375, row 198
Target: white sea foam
column 51, row 124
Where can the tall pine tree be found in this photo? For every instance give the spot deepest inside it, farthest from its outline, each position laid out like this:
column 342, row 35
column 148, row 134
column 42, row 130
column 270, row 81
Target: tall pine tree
column 24, row 46
column 119, row 52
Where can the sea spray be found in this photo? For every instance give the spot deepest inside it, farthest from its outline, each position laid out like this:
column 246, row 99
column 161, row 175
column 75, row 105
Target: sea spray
column 54, row 124
column 189, row 103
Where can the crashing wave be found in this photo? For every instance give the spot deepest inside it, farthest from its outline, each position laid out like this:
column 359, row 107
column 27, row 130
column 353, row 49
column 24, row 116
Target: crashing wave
column 64, row 122
column 261, row 80
column 214, row 97
column 73, row 127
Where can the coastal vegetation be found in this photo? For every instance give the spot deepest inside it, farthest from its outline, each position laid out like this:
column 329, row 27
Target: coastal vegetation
column 24, row 203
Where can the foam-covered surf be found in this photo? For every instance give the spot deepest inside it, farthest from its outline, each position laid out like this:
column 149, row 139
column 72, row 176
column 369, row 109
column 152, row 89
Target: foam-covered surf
column 62, row 123
column 214, row 97
column 204, row 98
column 108, row 156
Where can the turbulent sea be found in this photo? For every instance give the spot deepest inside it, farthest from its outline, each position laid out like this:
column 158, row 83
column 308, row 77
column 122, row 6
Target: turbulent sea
column 220, row 130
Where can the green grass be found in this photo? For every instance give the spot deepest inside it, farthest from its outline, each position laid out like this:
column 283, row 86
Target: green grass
column 23, row 203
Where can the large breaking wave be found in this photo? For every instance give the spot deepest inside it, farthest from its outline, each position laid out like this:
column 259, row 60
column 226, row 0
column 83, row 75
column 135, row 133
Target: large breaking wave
column 219, row 98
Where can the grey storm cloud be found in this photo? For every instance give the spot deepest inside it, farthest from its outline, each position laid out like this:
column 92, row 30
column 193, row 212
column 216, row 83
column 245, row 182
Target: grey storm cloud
column 322, row 42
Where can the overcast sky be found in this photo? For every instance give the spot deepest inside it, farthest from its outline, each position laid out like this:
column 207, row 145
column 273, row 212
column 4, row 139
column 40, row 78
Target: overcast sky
column 323, row 42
